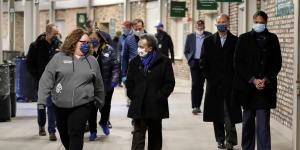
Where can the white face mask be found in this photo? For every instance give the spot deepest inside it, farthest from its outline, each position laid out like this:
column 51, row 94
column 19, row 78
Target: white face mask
column 138, row 33
column 142, row 52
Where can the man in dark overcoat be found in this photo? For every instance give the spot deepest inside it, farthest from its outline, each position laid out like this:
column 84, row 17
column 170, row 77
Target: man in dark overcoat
column 216, row 61
column 150, row 81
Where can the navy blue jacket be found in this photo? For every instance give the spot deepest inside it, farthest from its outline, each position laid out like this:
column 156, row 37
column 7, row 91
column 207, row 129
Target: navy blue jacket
column 109, row 66
column 129, row 52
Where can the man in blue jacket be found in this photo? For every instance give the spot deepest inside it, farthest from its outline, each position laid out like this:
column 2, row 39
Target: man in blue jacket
column 131, row 45
column 192, row 51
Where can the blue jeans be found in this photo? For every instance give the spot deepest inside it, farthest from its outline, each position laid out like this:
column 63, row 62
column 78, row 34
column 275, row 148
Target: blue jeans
column 51, row 116
column 261, row 127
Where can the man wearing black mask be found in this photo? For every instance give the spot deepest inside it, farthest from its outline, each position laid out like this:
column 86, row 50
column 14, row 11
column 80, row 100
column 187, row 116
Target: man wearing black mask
column 39, row 54
column 165, row 44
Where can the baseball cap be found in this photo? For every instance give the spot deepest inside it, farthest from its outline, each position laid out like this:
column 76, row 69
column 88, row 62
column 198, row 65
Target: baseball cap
column 159, row 25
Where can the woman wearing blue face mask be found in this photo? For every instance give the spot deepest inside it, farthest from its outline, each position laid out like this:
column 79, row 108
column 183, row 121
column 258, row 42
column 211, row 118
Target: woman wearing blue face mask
column 257, row 63
column 74, row 80
column 109, row 65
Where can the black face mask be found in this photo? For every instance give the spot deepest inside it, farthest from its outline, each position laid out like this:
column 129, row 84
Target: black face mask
column 159, row 31
column 55, row 41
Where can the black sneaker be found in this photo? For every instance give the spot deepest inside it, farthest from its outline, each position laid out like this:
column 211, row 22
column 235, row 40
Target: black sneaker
column 221, row 145
column 42, row 132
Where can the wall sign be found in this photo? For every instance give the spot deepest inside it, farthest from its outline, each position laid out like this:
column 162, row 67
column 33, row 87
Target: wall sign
column 284, row 7
column 178, row 9
column 207, row 5
column 81, row 19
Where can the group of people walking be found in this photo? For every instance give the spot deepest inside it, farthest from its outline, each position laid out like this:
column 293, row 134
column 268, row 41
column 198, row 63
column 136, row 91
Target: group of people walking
column 77, row 77
column 240, row 72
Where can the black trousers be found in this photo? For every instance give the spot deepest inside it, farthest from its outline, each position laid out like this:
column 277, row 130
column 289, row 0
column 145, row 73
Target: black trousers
column 197, row 83
column 71, row 125
column 154, row 128
column 105, row 113
column 225, row 131
column 262, row 129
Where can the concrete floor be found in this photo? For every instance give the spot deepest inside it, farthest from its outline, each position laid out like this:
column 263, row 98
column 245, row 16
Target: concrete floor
column 182, row 131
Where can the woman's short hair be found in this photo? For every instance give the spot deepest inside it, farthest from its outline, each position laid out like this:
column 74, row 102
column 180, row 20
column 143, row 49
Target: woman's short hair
column 151, row 40
column 99, row 36
column 262, row 14
column 71, row 40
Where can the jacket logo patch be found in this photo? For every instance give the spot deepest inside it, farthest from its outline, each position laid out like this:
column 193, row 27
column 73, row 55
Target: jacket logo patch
column 58, row 88
column 67, row 61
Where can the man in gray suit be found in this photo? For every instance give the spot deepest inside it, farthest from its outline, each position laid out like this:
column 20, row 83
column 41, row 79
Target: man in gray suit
column 192, row 51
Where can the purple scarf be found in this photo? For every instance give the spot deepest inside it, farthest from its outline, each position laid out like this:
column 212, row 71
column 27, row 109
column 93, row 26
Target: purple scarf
column 147, row 60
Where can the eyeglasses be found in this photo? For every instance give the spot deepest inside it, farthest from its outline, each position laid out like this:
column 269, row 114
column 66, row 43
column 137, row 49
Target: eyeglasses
column 87, row 42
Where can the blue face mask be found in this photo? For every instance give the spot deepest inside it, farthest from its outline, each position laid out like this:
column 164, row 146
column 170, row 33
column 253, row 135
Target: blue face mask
column 55, row 40
column 258, row 27
column 222, row 27
column 84, row 48
column 95, row 42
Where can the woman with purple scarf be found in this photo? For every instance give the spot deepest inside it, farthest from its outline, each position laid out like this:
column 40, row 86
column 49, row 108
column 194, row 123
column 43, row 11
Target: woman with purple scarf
column 150, row 81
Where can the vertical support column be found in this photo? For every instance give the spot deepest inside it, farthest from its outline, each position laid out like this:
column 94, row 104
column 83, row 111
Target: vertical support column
column 127, row 12
column 52, row 11
column 36, row 19
column 1, row 16
column 163, row 9
column 28, row 24
column 194, row 11
column 296, row 108
column 251, row 8
column 11, row 24
column 90, row 10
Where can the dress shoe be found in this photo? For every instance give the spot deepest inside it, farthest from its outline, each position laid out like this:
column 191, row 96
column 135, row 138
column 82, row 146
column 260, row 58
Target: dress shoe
column 42, row 131
column 196, row 110
column 52, row 137
column 221, row 145
column 199, row 110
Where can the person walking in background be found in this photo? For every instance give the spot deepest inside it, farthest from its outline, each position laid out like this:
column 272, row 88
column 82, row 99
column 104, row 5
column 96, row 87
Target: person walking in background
column 130, row 47
column 192, row 51
column 74, row 80
column 91, row 26
column 39, row 54
column 165, row 44
column 216, row 62
column 257, row 63
column 150, row 81
column 109, row 65
column 126, row 30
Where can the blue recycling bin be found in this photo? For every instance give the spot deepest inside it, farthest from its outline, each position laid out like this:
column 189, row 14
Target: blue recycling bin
column 26, row 86
column 5, row 103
